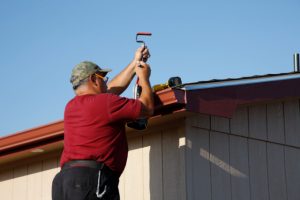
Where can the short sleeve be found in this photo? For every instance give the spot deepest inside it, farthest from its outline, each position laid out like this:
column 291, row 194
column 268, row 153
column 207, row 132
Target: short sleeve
column 121, row 108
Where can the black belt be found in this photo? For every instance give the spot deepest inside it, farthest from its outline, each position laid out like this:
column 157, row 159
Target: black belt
column 83, row 163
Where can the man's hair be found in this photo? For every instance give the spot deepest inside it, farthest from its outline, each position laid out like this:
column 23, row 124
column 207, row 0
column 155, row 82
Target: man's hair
column 82, row 82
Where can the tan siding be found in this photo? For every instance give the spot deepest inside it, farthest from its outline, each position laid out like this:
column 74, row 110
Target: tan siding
column 257, row 122
column 35, row 181
column 50, row 169
column 258, row 170
column 29, row 181
column 220, row 124
column 239, row 122
column 172, row 174
column 219, row 157
column 6, row 184
column 239, row 168
column 152, row 155
column 122, row 186
column 292, row 164
column 276, row 172
column 200, row 121
column 20, row 183
column 292, row 122
column 198, row 164
column 197, row 160
column 134, row 170
column 275, row 122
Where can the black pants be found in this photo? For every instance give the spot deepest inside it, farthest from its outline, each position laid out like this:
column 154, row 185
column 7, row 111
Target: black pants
column 81, row 183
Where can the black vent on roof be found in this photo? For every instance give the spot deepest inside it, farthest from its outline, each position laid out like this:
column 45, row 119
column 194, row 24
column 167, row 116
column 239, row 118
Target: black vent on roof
column 296, row 62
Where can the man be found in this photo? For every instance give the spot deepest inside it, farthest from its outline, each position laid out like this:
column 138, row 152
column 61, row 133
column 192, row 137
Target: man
column 95, row 144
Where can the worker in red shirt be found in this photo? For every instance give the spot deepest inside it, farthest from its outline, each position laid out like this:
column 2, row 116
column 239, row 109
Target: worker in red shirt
column 95, row 144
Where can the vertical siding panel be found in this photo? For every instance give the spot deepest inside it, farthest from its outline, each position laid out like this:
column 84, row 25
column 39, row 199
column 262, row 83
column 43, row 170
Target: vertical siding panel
column 34, row 181
column 239, row 122
column 171, row 165
column 200, row 121
column 275, row 123
column 258, row 170
column 239, row 168
column 220, row 124
column 6, row 184
column 220, row 168
column 257, row 122
column 197, row 164
column 292, row 165
column 182, row 158
column 50, row 169
column 276, row 171
column 20, row 183
column 134, row 173
column 152, row 158
column 122, row 186
column 292, row 122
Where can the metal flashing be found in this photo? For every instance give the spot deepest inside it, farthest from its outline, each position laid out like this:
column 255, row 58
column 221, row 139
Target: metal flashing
column 215, row 83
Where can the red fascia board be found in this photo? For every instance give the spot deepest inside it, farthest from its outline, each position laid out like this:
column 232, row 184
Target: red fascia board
column 33, row 136
column 223, row 101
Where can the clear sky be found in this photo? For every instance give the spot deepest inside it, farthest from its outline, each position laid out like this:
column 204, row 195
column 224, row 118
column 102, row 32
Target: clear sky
column 197, row 40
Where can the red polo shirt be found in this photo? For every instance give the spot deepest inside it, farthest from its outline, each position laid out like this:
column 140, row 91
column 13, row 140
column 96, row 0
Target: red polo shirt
column 94, row 128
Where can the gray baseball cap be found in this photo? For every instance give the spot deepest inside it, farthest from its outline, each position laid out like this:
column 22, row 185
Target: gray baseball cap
column 84, row 70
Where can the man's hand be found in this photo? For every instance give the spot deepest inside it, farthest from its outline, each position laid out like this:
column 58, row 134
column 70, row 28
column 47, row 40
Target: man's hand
column 142, row 70
column 120, row 82
column 142, row 53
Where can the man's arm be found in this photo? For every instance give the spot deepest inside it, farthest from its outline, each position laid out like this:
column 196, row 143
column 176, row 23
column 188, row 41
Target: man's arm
column 120, row 82
column 143, row 72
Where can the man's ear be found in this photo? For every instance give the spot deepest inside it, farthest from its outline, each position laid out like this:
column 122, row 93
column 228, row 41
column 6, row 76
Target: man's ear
column 93, row 78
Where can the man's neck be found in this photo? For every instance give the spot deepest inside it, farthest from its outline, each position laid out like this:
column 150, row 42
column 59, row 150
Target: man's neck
column 82, row 92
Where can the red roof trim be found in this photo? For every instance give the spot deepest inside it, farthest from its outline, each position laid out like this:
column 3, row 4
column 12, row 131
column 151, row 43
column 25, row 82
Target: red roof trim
column 40, row 134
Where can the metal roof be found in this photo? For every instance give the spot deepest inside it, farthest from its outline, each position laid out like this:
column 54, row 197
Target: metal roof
column 215, row 83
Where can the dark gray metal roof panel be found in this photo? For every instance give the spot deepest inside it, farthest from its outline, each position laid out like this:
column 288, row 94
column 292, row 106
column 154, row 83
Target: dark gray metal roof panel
column 240, row 81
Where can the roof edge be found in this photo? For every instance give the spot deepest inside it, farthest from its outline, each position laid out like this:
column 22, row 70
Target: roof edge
column 37, row 134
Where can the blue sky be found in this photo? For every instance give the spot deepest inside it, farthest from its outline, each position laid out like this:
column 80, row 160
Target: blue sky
column 197, row 40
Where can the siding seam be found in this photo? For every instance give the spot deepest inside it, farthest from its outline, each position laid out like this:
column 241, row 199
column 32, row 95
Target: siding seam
column 285, row 175
column 209, row 148
column 248, row 141
column 252, row 138
column 284, row 156
column 267, row 155
column 13, row 183
column 230, row 177
column 27, row 171
column 268, row 177
column 162, row 165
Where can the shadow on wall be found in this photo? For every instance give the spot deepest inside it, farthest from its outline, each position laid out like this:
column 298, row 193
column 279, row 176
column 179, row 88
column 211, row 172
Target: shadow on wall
column 196, row 167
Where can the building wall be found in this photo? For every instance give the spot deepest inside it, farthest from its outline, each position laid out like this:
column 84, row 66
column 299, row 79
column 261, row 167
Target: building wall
column 253, row 156
column 29, row 180
column 155, row 168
